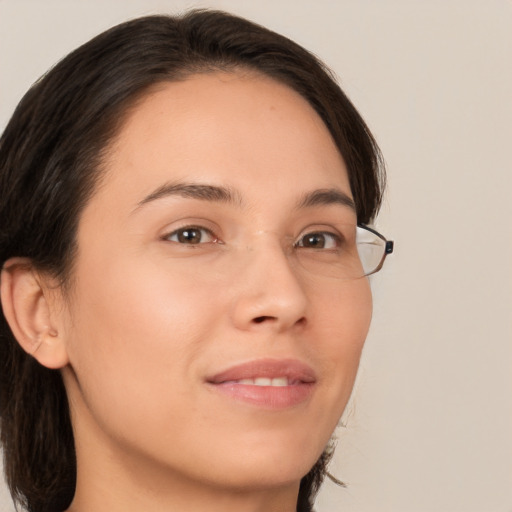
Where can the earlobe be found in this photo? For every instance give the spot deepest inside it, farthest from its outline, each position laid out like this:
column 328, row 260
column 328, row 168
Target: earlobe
column 28, row 310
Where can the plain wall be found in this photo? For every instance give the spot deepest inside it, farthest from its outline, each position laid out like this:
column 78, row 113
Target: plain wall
column 429, row 428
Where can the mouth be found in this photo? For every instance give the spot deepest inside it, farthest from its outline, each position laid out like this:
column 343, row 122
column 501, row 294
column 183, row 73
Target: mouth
column 266, row 383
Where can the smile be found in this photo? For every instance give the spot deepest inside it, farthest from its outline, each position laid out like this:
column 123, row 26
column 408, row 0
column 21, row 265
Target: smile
column 264, row 381
column 268, row 384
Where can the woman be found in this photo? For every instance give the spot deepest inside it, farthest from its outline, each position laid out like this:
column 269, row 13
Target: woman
column 183, row 291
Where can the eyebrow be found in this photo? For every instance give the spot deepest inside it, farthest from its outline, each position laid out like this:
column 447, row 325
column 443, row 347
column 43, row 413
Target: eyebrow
column 222, row 194
column 327, row 196
column 194, row 191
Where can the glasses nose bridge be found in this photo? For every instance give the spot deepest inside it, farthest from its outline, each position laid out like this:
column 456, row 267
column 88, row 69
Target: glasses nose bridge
column 272, row 247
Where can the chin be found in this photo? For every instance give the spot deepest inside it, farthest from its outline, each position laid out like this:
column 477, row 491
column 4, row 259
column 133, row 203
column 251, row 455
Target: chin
column 269, row 468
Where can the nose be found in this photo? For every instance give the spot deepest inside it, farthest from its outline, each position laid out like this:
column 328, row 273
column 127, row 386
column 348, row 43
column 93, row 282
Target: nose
column 268, row 296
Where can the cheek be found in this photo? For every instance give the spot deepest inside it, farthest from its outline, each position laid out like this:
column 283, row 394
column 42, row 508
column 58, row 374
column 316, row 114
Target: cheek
column 141, row 302
column 134, row 335
column 343, row 312
column 343, row 318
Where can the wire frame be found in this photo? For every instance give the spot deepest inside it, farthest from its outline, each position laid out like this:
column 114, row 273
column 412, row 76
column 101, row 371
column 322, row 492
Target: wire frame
column 372, row 248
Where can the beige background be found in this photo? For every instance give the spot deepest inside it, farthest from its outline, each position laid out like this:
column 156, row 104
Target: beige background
column 430, row 425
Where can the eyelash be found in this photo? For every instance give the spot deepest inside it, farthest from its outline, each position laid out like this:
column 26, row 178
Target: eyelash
column 335, row 239
column 184, row 229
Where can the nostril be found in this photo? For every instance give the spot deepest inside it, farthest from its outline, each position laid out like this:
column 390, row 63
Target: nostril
column 261, row 319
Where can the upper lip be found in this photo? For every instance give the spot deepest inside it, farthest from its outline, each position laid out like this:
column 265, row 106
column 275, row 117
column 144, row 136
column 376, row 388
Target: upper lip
column 293, row 369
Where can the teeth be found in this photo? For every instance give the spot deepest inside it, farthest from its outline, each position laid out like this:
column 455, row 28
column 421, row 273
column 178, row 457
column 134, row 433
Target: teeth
column 264, row 381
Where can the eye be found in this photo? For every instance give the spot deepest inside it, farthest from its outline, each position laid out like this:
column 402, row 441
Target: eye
column 319, row 240
column 191, row 235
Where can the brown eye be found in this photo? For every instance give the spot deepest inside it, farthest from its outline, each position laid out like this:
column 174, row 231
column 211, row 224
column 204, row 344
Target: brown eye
column 191, row 235
column 320, row 240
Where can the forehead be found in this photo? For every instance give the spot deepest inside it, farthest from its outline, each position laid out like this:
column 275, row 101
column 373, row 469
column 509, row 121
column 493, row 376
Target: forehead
column 245, row 131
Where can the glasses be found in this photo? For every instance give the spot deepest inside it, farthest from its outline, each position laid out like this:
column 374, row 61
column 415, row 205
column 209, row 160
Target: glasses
column 372, row 248
column 338, row 251
column 347, row 254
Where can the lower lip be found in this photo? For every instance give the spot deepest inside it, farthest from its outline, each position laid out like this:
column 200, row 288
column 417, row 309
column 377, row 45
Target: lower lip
column 267, row 397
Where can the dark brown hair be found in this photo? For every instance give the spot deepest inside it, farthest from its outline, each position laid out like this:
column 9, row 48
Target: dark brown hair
column 50, row 160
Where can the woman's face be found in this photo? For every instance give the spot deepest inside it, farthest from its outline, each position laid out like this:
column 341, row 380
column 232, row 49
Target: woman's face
column 184, row 290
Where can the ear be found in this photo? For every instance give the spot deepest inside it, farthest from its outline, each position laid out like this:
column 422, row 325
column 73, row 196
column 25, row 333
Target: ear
column 30, row 310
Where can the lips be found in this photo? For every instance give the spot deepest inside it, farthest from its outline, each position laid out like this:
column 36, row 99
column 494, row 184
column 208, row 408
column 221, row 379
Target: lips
column 293, row 370
column 267, row 383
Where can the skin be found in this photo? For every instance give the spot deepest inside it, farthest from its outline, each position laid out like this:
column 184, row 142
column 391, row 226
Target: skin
column 147, row 319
